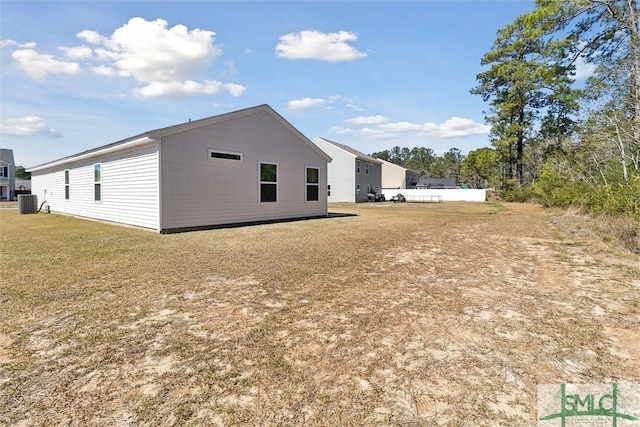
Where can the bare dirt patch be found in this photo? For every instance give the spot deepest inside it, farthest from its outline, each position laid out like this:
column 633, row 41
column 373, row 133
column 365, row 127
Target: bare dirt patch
column 413, row 314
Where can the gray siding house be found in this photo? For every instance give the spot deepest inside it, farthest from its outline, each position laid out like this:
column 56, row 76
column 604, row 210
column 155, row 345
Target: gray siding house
column 352, row 175
column 7, row 174
column 241, row 167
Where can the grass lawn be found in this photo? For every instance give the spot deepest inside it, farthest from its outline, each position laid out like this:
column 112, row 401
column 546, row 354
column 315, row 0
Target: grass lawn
column 402, row 314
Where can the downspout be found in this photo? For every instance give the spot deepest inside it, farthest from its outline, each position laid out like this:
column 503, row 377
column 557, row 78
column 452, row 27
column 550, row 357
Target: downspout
column 159, row 169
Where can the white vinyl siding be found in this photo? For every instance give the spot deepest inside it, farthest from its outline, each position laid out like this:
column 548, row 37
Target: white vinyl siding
column 129, row 188
column 199, row 192
column 393, row 176
column 341, row 172
column 191, row 175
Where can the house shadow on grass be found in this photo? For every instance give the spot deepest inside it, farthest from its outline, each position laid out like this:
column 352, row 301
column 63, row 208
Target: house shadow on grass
column 252, row 223
column 339, row 215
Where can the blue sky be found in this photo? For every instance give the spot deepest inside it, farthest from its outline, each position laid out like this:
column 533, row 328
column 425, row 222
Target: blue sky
column 368, row 74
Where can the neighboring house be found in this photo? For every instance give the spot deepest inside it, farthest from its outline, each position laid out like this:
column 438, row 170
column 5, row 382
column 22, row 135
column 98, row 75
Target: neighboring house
column 352, row 175
column 23, row 184
column 437, row 183
column 241, row 167
column 7, row 174
column 396, row 176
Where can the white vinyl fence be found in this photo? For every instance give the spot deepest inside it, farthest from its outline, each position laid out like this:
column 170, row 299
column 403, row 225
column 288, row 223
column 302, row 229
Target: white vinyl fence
column 431, row 195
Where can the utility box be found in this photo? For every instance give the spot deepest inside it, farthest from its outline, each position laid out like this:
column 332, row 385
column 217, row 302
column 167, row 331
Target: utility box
column 27, row 204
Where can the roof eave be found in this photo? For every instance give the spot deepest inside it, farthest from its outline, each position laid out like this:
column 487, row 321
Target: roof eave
column 125, row 145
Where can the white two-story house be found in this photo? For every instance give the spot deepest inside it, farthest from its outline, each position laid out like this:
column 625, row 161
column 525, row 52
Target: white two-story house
column 352, row 175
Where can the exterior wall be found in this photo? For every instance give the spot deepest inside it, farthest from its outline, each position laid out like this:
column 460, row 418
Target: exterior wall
column 372, row 180
column 341, row 172
column 199, row 192
column 393, row 176
column 412, row 178
column 8, row 180
column 130, row 188
column 448, row 195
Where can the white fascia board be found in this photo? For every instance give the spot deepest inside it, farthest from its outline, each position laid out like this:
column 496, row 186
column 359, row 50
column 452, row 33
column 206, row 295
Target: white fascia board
column 339, row 148
column 94, row 153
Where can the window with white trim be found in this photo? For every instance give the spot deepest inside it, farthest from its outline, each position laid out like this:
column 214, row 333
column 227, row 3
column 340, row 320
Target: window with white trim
column 268, row 182
column 313, row 184
column 366, row 168
column 97, row 182
column 357, row 166
column 66, row 184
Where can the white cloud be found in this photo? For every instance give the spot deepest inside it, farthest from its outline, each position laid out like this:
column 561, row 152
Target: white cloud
column 189, row 87
column 401, row 127
column 37, row 65
column 152, row 53
column 27, row 126
column 230, row 68
column 234, row 89
column 305, row 103
column 311, row 44
column 368, row 120
column 9, row 42
column 166, row 61
column 584, row 70
column 91, row 37
column 451, row 128
column 354, row 107
column 341, row 131
column 103, row 70
column 78, row 52
column 348, row 102
column 457, row 127
column 371, row 133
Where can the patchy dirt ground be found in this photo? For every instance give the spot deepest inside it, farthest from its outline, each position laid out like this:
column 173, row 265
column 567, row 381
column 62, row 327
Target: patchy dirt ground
column 401, row 315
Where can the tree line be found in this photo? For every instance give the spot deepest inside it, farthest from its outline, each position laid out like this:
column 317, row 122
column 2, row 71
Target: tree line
column 478, row 169
column 553, row 140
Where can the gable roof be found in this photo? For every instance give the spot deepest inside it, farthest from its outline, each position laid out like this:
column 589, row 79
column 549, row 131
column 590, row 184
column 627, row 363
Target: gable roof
column 6, row 156
column 156, row 134
column 358, row 154
column 386, row 162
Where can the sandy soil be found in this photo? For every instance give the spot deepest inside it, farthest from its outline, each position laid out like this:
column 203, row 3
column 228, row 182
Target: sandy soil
column 455, row 323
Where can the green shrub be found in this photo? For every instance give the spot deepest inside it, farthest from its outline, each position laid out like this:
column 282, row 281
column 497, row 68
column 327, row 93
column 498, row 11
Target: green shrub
column 616, row 199
column 554, row 189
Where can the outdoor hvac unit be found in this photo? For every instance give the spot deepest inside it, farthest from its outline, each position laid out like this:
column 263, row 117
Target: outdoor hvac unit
column 27, row 204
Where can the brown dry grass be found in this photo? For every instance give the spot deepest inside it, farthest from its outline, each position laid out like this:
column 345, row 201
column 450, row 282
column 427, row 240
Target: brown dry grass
column 412, row 314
